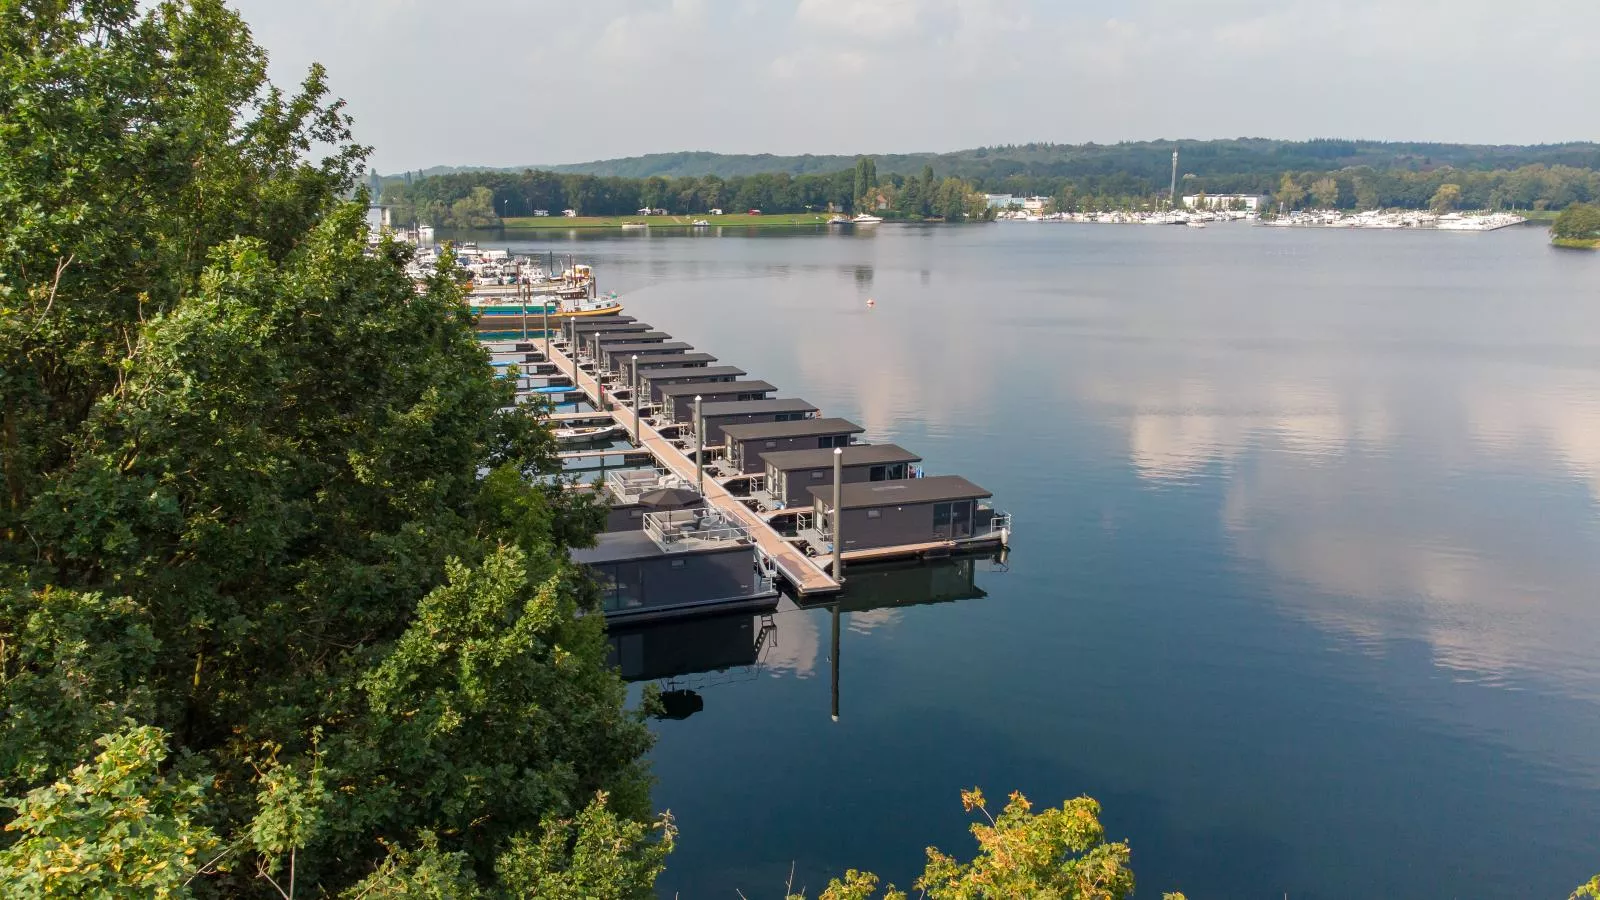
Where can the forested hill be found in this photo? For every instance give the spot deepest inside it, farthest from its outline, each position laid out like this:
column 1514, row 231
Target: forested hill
column 1143, row 159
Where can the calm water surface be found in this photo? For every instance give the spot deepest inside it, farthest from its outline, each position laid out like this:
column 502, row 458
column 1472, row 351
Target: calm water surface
column 1305, row 586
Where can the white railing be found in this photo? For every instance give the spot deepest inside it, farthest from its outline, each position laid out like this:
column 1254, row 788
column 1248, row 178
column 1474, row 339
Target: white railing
column 1000, row 525
column 627, row 486
column 679, row 530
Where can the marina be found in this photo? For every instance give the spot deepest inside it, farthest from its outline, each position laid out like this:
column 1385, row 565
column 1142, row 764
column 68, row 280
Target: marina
column 690, row 526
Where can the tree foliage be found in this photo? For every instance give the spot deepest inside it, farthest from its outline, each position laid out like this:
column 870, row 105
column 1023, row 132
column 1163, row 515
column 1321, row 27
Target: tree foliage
column 261, row 503
column 1057, row 854
column 1579, row 222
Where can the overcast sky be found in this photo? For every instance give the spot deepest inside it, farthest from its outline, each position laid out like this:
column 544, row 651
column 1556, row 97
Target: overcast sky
column 513, row 82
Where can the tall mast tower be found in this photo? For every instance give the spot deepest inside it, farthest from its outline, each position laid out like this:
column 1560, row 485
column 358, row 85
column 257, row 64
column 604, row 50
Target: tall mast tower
column 1173, row 191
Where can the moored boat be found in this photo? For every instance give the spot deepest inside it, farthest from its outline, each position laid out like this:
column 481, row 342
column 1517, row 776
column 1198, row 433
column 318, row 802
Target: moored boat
column 866, row 219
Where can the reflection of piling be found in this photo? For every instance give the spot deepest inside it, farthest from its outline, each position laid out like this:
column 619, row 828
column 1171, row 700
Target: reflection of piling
column 835, row 666
column 838, row 541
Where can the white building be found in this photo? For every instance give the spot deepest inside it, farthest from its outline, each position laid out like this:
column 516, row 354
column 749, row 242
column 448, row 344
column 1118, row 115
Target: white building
column 1034, row 204
column 999, row 201
column 1249, row 202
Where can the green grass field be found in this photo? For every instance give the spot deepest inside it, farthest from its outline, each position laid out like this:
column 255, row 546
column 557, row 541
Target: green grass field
column 1577, row 243
column 741, row 220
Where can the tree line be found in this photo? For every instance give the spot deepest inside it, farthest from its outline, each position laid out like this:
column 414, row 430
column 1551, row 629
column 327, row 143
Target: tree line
column 1150, row 160
column 480, row 199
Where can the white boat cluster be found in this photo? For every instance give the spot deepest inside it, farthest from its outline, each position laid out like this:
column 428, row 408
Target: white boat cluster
column 1193, row 218
column 1379, row 219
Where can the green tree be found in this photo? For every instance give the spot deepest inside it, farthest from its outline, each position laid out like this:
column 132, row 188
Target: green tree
column 115, row 828
column 1366, row 193
column 1445, row 198
column 1057, row 853
column 259, row 497
column 1325, row 193
column 1589, row 890
column 1289, row 192
column 1579, row 222
column 476, row 210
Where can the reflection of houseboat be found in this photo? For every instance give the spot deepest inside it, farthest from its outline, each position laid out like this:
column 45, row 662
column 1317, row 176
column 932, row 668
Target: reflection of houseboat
column 791, row 473
column 745, row 444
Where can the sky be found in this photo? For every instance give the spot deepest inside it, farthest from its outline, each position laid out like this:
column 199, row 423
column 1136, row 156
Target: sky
column 518, row 82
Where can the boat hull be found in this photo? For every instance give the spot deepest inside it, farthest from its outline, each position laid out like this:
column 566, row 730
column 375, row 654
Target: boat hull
column 498, row 319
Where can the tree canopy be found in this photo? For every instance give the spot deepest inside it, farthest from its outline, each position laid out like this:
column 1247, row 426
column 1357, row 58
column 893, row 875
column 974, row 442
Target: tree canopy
column 275, row 576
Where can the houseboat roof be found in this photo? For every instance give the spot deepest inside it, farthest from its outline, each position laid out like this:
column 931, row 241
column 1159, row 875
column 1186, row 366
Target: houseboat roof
column 756, row 431
column 756, row 407
column 692, row 372
column 682, row 358
column 933, row 489
column 855, row 455
column 612, row 323
column 714, row 387
column 642, row 349
column 631, row 337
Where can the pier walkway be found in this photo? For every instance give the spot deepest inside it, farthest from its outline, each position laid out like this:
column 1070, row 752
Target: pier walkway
column 801, row 571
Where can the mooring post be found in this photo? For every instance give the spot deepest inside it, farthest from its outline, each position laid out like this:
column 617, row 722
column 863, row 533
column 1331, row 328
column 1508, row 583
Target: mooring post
column 522, row 295
column 544, row 304
column 699, row 449
column 838, row 514
column 633, row 388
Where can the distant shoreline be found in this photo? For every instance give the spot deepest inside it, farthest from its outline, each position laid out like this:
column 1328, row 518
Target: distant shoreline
column 738, row 220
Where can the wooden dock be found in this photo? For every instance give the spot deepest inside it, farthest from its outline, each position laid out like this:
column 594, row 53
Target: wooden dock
column 802, row 573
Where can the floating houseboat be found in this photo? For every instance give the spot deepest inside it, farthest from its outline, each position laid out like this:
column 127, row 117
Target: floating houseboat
column 655, row 379
column 677, row 400
column 933, row 513
column 743, row 445
column 598, row 341
column 671, row 361
column 680, row 562
column 751, row 412
column 613, row 358
column 790, row 474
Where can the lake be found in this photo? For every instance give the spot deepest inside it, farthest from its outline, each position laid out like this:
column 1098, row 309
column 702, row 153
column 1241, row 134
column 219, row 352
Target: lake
column 1305, row 582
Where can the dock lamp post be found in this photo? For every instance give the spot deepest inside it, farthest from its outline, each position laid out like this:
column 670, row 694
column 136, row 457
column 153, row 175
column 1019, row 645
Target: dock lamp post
column 838, row 539
column 699, row 449
column 633, row 388
column 544, row 306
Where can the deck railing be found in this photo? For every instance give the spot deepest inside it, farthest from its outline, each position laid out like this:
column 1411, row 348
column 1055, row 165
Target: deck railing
column 627, row 485
column 680, row 530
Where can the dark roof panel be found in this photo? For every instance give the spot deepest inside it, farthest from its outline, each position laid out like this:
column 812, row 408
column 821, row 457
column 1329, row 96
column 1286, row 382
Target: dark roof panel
column 854, row 455
column 755, row 407
column 756, row 431
column 933, row 489
column 692, row 372
column 714, row 387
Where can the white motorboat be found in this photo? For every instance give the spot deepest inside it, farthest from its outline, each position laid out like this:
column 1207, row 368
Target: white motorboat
column 866, row 219
column 586, row 435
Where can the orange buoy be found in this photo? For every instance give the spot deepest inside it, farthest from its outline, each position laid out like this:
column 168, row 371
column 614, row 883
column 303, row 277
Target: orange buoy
column 871, row 303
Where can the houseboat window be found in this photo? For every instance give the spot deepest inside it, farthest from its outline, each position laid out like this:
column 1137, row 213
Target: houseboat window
column 897, row 472
column 636, row 514
column 771, row 444
column 941, row 514
column 878, row 473
column 676, row 563
column 873, row 514
column 818, row 475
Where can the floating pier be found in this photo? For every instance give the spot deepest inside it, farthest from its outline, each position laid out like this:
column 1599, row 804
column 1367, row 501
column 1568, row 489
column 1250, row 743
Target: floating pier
column 682, row 519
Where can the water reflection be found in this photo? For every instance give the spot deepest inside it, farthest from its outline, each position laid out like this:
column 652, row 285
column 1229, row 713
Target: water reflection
column 689, row 657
